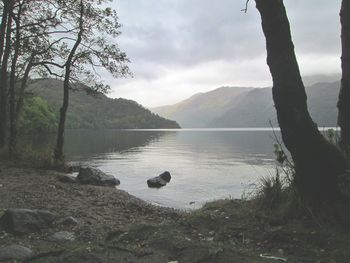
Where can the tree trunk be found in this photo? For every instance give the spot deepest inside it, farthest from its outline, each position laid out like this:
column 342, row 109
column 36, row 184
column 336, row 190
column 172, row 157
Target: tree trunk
column 3, row 29
column 317, row 163
column 4, row 80
column 13, row 120
column 344, row 95
column 23, row 87
column 59, row 156
column 58, row 153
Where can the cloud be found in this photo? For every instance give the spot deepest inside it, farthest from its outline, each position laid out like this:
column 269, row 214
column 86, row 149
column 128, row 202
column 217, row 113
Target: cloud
column 180, row 47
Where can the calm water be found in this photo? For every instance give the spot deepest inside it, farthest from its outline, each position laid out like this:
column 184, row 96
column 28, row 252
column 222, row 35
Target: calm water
column 204, row 164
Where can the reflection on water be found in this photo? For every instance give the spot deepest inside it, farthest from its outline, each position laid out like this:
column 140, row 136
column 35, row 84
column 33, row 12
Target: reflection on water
column 86, row 143
column 204, row 164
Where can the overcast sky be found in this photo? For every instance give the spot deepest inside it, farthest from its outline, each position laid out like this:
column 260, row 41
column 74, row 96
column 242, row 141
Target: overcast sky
column 181, row 47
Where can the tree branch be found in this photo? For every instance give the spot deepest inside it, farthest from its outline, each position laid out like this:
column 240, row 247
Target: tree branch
column 245, row 10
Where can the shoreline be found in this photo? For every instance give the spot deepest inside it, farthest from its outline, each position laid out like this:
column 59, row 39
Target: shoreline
column 114, row 226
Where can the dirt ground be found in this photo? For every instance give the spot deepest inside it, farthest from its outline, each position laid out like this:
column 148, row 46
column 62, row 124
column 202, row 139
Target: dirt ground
column 114, row 226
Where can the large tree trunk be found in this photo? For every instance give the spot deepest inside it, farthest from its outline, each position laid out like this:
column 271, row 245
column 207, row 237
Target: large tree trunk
column 344, row 95
column 317, row 163
column 4, row 78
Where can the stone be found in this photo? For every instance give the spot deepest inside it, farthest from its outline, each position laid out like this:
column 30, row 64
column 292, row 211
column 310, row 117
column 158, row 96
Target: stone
column 64, row 178
column 23, row 221
column 92, row 176
column 15, row 252
column 159, row 181
column 156, row 182
column 165, row 176
column 63, row 236
column 68, row 221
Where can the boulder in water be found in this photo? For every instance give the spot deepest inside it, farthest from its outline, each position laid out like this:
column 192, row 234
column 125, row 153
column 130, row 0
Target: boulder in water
column 159, row 181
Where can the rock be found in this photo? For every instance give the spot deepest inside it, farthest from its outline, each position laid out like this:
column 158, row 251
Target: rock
column 92, row 176
column 73, row 168
column 165, row 176
column 159, row 181
column 15, row 252
column 22, row 221
column 64, row 178
column 63, row 236
column 68, row 221
column 156, row 182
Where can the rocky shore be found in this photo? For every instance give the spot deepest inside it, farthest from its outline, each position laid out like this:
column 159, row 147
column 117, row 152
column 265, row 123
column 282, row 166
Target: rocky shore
column 104, row 224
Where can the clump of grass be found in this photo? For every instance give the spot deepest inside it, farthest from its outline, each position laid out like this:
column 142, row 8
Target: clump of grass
column 37, row 159
column 270, row 192
column 277, row 196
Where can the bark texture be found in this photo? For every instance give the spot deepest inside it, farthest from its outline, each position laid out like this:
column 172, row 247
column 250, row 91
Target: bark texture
column 344, row 95
column 317, row 163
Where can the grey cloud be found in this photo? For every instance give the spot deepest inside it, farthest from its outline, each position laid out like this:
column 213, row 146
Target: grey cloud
column 189, row 32
column 162, row 36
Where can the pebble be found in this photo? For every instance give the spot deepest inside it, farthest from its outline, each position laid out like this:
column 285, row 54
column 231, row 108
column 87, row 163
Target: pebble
column 63, row 236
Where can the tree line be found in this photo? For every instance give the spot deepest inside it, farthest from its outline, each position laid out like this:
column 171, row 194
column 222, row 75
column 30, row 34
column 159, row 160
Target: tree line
column 318, row 164
column 71, row 40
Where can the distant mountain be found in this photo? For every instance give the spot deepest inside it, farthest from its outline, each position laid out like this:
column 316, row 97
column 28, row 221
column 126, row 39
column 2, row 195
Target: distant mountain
column 247, row 107
column 97, row 111
column 202, row 108
column 310, row 80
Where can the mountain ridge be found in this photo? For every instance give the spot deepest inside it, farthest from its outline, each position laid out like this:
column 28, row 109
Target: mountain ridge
column 233, row 107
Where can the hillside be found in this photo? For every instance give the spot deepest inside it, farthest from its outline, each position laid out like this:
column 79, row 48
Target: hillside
column 199, row 110
column 97, row 111
column 247, row 107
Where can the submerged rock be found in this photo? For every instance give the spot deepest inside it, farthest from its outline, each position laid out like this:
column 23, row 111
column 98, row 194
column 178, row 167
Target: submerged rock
column 159, row 181
column 92, row 176
column 15, row 252
column 22, row 221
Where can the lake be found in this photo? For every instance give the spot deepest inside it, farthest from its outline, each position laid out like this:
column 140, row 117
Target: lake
column 205, row 164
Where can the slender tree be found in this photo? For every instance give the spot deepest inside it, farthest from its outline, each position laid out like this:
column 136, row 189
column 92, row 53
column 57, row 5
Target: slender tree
column 92, row 39
column 12, row 102
column 5, row 52
column 344, row 95
column 317, row 163
column 59, row 157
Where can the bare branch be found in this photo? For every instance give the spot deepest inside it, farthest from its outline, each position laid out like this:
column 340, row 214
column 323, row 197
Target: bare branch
column 245, row 10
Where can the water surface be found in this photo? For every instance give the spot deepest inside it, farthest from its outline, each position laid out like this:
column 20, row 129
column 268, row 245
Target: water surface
column 205, row 164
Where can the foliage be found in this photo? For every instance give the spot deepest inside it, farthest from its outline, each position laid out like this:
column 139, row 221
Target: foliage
column 98, row 111
column 332, row 136
column 37, row 117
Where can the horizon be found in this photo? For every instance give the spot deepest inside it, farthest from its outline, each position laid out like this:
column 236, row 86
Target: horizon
column 310, row 80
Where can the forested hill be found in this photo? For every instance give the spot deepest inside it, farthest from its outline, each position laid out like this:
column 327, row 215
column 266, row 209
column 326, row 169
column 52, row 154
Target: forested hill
column 248, row 107
column 97, row 111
